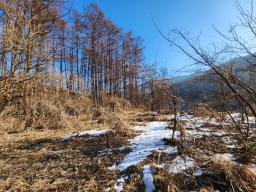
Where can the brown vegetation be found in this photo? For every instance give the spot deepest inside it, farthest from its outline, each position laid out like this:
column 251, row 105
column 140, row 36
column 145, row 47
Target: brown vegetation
column 51, row 164
column 59, row 77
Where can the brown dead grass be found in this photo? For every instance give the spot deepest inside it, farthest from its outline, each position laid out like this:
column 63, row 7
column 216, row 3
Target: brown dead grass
column 48, row 112
column 115, row 104
column 40, row 107
column 236, row 177
column 78, row 164
column 222, row 176
column 33, row 156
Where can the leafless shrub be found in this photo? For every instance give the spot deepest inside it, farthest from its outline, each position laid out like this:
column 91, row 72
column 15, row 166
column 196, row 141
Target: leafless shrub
column 239, row 178
column 44, row 116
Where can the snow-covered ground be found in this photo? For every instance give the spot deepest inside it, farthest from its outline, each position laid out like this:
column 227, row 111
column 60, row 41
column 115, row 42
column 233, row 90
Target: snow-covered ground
column 180, row 164
column 150, row 139
column 148, row 179
column 92, row 133
column 223, row 157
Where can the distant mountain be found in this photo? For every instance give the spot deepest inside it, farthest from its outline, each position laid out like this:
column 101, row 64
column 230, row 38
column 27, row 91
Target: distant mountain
column 200, row 85
column 182, row 78
column 179, row 78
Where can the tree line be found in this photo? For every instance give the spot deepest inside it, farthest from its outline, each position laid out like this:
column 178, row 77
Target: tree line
column 74, row 51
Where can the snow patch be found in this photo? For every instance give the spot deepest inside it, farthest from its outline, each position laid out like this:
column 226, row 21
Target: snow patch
column 112, row 167
column 150, row 139
column 119, row 184
column 181, row 163
column 170, row 150
column 69, row 136
column 223, row 157
column 198, row 172
column 148, row 179
column 92, row 133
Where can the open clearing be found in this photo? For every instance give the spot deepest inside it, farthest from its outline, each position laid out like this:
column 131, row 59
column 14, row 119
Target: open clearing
column 102, row 160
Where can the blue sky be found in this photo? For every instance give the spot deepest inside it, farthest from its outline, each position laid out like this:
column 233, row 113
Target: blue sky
column 194, row 16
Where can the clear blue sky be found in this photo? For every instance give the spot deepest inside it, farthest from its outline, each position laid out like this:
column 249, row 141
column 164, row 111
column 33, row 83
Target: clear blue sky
column 194, row 16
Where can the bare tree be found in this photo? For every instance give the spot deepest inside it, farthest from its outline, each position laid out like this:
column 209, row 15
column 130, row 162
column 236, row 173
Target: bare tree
column 234, row 87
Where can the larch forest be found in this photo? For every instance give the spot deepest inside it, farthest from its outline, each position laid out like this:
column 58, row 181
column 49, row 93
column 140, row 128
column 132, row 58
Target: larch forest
column 82, row 110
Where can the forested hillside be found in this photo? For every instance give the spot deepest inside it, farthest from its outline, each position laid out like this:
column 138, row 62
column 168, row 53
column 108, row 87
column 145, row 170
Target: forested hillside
column 203, row 86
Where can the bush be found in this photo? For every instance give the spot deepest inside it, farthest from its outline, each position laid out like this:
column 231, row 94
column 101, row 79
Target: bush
column 117, row 104
column 44, row 116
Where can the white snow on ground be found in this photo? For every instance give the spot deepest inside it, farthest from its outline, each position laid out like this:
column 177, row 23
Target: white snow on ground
column 196, row 122
column 170, row 150
column 237, row 117
column 112, row 167
column 229, row 141
column 150, row 139
column 197, row 127
column 69, row 136
column 251, row 119
column 180, row 164
column 198, row 172
column 223, row 157
column 199, row 132
column 92, row 133
column 119, row 184
column 148, row 179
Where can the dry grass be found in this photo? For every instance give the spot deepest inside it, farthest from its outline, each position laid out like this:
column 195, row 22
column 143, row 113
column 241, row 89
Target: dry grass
column 115, row 104
column 147, row 117
column 36, row 106
column 45, row 164
column 166, row 182
column 235, row 177
column 33, row 156
column 43, row 108
column 217, row 175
